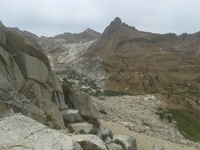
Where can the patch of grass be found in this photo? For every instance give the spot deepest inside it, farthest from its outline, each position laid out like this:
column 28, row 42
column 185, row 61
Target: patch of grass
column 93, row 131
column 82, row 132
column 110, row 135
column 120, row 143
column 70, row 128
column 186, row 125
column 49, row 117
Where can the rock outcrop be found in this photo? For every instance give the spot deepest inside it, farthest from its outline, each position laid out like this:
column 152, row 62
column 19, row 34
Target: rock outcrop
column 88, row 142
column 26, row 69
column 20, row 132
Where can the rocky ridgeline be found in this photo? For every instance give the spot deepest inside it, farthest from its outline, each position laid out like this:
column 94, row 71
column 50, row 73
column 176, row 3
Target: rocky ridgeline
column 140, row 114
column 37, row 111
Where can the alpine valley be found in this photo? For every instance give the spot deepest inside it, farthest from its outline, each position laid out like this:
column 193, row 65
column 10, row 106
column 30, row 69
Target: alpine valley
column 122, row 89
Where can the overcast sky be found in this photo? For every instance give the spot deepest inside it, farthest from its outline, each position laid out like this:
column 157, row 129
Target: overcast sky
column 52, row 17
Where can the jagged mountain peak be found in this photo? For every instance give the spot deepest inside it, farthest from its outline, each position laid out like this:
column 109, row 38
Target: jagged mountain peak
column 116, row 21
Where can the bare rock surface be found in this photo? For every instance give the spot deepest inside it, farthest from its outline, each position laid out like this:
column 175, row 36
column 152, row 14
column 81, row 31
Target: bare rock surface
column 71, row 115
column 88, row 142
column 84, row 126
column 20, row 132
column 83, row 103
column 113, row 146
column 157, row 147
column 19, row 104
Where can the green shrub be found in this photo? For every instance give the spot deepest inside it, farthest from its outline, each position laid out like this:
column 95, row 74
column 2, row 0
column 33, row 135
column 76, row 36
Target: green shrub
column 82, row 132
column 186, row 125
column 93, row 131
column 110, row 135
column 49, row 117
column 94, row 121
column 70, row 128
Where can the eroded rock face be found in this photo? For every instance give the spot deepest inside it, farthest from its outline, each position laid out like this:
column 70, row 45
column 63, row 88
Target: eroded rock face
column 20, row 132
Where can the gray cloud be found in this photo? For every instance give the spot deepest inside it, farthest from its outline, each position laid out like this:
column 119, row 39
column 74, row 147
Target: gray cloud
column 51, row 17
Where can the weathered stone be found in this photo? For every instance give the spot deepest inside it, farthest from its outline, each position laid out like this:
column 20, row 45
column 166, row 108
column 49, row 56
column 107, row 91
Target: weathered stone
column 103, row 132
column 52, row 110
column 83, row 103
column 58, row 99
column 11, row 66
column 4, row 83
column 90, row 142
column 113, row 146
column 71, row 115
column 36, row 89
column 86, row 127
column 107, row 140
column 14, row 43
column 20, row 132
column 38, row 71
column 46, row 92
column 129, row 142
column 10, row 76
column 31, row 48
column 19, row 103
column 157, row 147
column 22, row 87
column 54, row 81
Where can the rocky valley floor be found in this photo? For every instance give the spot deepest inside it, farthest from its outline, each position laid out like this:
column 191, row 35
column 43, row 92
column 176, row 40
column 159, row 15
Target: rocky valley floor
column 137, row 116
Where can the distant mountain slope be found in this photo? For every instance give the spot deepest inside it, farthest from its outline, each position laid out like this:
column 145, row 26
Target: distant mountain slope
column 121, row 39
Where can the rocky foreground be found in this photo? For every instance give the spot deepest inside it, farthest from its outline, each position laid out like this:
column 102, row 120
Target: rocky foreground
column 136, row 116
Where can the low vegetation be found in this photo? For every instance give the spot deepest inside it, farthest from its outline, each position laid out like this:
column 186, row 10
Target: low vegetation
column 49, row 117
column 82, row 132
column 186, row 125
column 70, row 128
column 93, row 131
